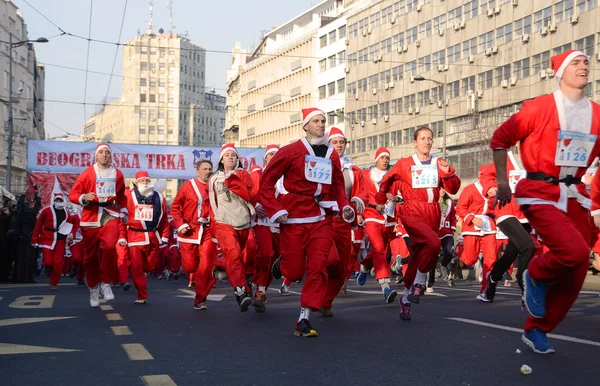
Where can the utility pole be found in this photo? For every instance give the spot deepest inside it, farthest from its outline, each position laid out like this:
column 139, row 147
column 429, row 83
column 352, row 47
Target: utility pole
column 10, row 116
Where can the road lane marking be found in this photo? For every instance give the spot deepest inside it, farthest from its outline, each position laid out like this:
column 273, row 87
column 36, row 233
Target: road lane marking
column 137, row 352
column 24, row 285
column 33, row 301
column 158, row 380
column 114, row 316
column 12, row 349
column 192, row 295
column 121, row 330
column 520, row 331
column 106, row 307
column 16, row 321
column 292, row 292
column 102, row 300
column 478, row 291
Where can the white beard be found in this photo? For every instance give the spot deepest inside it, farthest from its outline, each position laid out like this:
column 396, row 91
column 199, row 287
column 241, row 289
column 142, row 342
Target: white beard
column 146, row 190
column 59, row 206
column 318, row 140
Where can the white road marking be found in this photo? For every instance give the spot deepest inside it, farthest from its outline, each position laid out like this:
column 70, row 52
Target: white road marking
column 106, row 307
column 113, row 317
column 137, row 352
column 399, row 293
column 17, row 321
column 158, row 380
column 33, row 301
column 520, row 330
column 478, row 291
column 192, row 295
column 292, row 292
column 121, row 330
column 11, row 349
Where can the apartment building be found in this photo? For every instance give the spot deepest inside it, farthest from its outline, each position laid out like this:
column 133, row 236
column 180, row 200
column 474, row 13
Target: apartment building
column 462, row 65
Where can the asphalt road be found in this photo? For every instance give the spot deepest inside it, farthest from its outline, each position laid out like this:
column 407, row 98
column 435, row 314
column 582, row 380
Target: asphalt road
column 365, row 343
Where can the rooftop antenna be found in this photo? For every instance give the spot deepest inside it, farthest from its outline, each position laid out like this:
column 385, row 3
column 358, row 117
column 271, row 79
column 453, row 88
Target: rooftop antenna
column 151, row 13
column 171, row 26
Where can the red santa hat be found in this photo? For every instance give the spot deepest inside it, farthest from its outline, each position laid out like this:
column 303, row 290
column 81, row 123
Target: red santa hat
column 336, row 133
column 140, row 175
column 562, row 60
column 58, row 195
column 381, row 152
column 102, row 146
column 308, row 114
column 226, row 147
column 271, row 149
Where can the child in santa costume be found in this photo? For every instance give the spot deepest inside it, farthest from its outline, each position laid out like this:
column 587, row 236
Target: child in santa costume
column 422, row 177
column 313, row 179
column 559, row 140
column 446, row 232
column 231, row 202
column 146, row 230
column 54, row 228
column 100, row 190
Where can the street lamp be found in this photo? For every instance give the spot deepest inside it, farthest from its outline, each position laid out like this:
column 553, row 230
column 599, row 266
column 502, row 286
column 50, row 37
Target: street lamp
column 12, row 44
column 420, row 78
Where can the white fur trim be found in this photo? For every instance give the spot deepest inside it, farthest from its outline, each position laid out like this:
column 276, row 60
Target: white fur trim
column 353, row 214
column 277, row 215
column 595, row 212
column 182, row 227
column 382, row 154
column 122, row 240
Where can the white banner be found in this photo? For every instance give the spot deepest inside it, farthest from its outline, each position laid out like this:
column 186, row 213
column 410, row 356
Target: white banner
column 169, row 162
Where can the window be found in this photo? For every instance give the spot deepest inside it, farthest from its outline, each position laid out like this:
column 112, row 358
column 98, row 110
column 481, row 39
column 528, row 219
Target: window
column 588, row 90
column 153, row 67
column 161, row 130
column 351, row 89
column 470, row 9
column 411, row 5
column 398, row 40
column 142, row 82
column 541, row 61
column 373, row 81
column 373, row 51
column 454, row 16
column 523, row 27
column 425, row 29
column 542, row 19
column 341, row 85
column 502, row 73
column 6, row 80
column 384, row 139
column 385, row 76
column 411, row 35
column 439, row 57
column 559, row 49
column 362, row 24
column 142, row 129
column 353, row 30
column 486, row 41
column 453, row 89
column 331, row 89
column 411, row 68
column 423, row 98
column 454, row 53
column 436, row 93
column 362, row 84
column 400, row 7
column 468, row 84
column 504, row 34
column 586, row 45
column 521, row 68
column 438, row 128
column 424, row 64
column 322, row 65
column 323, row 41
column 386, row 46
column 384, row 108
column 152, row 98
column 486, row 80
column 142, row 114
column 331, row 117
column 332, row 61
column 143, row 66
column 487, row 4
column 151, row 129
column 342, row 32
column 386, row 14
column 398, row 73
column 152, row 83
column 363, row 55
column 375, row 19
column 469, row 47
column 585, row 5
column 397, row 105
column 407, row 136
column 341, row 57
column 142, row 97
column 322, row 94
column 372, row 142
column 439, row 23
column 332, row 36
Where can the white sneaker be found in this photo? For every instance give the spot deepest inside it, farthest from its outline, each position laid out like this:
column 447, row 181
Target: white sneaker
column 507, row 283
column 107, row 292
column 95, row 296
column 429, row 290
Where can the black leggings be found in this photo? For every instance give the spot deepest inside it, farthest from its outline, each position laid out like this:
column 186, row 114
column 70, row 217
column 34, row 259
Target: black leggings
column 447, row 244
column 520, row 245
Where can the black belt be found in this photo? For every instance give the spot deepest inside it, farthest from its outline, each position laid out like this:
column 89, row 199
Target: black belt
column 142, row 230
column 51, row 229
column 371, row 206
column 104, row 204
column 568, row 180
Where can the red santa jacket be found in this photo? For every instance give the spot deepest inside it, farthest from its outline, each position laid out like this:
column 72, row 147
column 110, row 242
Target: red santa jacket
column 448, row 223
column 136, row 239
column 487, row 178
column 91, row 213
column 45, row 232
column 305, row 201
column 191, row 208
column 537, row 126
column 370, row 190
column 472, row 203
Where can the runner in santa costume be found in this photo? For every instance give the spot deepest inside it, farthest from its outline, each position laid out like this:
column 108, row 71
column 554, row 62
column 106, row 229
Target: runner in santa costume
column 338, row 263
column 313, row 179
column 379, row 226
column 474, row 207
column 559, row 140
column 100, row 190
column 146, row 230
column 267, row 237
column 191, row 213
column 173, row 249
column 231, row 201
column 54, row 228
column 512, row 225
column 447, row 231
column 76, row 248
column 251, row 250
column 422, row 177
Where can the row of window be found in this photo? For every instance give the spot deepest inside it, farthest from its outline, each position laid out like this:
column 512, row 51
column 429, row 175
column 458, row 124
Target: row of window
column 332, row 61
column 330, row 89
column 190, row 54
column 162, row 68
column 332, row 37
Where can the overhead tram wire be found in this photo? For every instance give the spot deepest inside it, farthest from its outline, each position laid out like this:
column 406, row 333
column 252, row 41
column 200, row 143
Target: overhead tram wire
column 87, row 62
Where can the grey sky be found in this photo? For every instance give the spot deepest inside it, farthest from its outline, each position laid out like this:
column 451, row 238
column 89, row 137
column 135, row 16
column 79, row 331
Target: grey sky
column 211, row 24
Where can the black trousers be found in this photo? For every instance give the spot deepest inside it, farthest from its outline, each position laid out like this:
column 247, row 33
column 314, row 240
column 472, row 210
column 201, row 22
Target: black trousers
column 447, row 244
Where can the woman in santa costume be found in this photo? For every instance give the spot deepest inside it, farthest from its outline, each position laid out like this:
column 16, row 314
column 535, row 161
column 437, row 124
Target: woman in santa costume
column 559, row 140
column 379, row 226
column 474, row 208
column 100, row 190
column 54, row 228
column 231, row 201
column 146, row 230
column 447, row 231
column 191, row 214
column 313, row 179
column 338, row 263
column 422, row 177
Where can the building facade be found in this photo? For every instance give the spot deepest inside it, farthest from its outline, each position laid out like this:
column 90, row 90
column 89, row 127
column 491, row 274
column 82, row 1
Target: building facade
column 231, row 129
column 27, row 99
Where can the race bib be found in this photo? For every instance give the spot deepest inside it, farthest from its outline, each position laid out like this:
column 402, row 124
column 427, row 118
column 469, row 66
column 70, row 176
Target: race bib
column 486, row 226
column 424, row 176
column 574, row 148
column 390, row 209
column 144, row 212
column 106, row 187
column 317, row 169
column 515, row 176
column 500, row 235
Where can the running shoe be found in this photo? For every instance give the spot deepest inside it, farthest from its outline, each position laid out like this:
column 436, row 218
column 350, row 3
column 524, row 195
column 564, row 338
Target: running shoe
column 389, row 295
column 244, row 301
column 176, row 276
column 140, row 301
column 507, row 283
column 259, row 301
column 537, row 340
column 95, row 296
column 507, row 276
column 483, row 297
column 276, row 270
column 397, row 264
column 191, row 284
column 534, row 295
column 343, row 290
column 305, row 329
column 219, row 273
column 450, row 282
column 414, row 295
column 361, row 279
column 524, row 306
column 429, row 290
column 284, row 290
column 126, row 287
column 490, row 290
column 107, row 291
column 404, row 311
column 326, row 312
column 200, row 306
column 399, row 279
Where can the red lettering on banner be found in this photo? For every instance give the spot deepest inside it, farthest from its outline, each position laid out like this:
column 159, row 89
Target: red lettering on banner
column 42, row 158
column 150, row 158
column 86, row 160
column 170, row 161
column 161, row 160
column 63, row 159
column 52, row 159
column 252, row 163
column 125, row 161
column 180, row 162
column 136, row 162
column 74, row 159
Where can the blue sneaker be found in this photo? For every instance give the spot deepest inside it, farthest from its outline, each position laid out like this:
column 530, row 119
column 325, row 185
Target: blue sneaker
column 361, row 279
column 389, row 295
column 535, row 295
column 536, row 339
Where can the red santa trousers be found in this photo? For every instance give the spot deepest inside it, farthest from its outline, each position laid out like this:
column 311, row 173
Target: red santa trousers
column 338, row 261
column 250, row 253
column 198, row 260
column 487, row 246
column 232, row 242
column 123, row 263
column 304, row 250
column 380, row 237
column 55, row 259
column 100, row 253
column 399, row 247
column 267, row 243
column 424, row 248
column 143, row 259
column 77, row 252
column 565, row 264
column 174, row 259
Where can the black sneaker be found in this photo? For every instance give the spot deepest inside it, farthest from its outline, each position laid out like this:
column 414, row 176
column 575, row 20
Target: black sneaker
column 275, row 270
column 404, row 311
column 244, row 301
column 414, row 295
column 126, row 287
column 305, row 329
column 399, row 279
column 490, row 290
